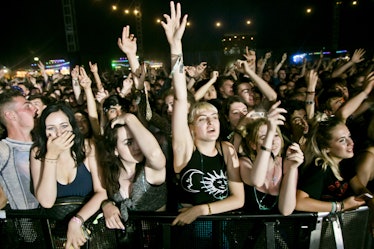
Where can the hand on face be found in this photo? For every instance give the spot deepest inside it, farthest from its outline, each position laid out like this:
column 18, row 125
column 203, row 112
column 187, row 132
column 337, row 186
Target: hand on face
column 60, row 143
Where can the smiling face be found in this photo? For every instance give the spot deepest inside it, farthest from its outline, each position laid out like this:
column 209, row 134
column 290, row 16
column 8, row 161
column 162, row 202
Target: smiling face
column 277, row 141
column 82, row 123
column 56, row 124
column 299, row 122
column 341, row 144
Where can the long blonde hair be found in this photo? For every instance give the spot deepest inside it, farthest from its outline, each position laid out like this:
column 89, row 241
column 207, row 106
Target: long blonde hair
column 321, row 135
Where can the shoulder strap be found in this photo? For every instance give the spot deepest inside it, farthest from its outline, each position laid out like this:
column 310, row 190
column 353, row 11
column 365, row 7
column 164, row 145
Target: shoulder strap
column 222, row 152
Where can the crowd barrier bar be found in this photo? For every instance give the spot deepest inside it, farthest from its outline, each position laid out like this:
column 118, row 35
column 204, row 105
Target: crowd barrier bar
column 31, row 228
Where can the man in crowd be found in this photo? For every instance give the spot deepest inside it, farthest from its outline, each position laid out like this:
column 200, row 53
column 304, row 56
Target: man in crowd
column 17, row 116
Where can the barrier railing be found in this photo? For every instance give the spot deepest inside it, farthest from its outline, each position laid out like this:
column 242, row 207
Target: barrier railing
column 31, row 229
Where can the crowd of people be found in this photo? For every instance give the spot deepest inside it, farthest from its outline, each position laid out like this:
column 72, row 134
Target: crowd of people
column 260, row 137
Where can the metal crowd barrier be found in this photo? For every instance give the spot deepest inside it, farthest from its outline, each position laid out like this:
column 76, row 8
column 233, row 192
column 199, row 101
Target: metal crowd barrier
column 31, row 229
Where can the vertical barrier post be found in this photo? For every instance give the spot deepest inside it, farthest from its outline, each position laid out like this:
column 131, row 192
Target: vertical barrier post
column 166, row 239
column 270, row 236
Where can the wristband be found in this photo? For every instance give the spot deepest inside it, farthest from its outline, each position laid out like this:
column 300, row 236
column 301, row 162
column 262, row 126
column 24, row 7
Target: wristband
column 80, row 218
column 105, row 202
column 308, row 92
column 238, row 132
column 209, row 209
column 265, row 149
column 77, row 220
column 333, row 207
column 338, row 207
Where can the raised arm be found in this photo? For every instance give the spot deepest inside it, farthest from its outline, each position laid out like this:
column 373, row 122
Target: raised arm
column 311, row 81
column 254, row 173
column 93, row 116
column 43, row 72
column 155, row 159
column 279, row 65
column 354, row 103
column 182, row 141
column 199, row 94
column 262, row 85
column 195, row 73
column 128, row 45
column 356, row 58
column 75, row 84
column 95, row 72
column 261, row 64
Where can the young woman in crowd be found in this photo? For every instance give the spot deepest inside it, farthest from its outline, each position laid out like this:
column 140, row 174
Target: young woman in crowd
column 234, row 108
column 133, row 170
column 209, row 170
column 326, row 186
column 64, row 164
column 270, row 176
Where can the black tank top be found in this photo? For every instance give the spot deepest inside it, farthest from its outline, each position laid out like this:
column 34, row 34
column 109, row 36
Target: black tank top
column 203, row 180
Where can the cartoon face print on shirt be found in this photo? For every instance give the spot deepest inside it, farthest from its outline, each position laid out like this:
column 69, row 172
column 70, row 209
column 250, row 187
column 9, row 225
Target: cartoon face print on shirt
column 213, row 183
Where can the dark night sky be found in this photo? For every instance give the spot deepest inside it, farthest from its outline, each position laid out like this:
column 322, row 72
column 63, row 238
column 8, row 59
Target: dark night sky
column 35, row 28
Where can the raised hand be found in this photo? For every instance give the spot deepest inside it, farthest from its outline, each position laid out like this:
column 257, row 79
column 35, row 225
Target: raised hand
column 93, row 67
column 174, row 27
column 75, row 72
column 101, row 96
column 126, row 86
column 128, row 42
column 41, row 66
column 294, row 156
column 358, row 55
column 250, row 56
column 83, row 78
column 275, row 116
column 312, row 80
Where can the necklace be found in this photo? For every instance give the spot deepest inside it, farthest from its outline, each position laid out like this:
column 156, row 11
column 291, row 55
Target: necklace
column 274, row 178
column 260, row 204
